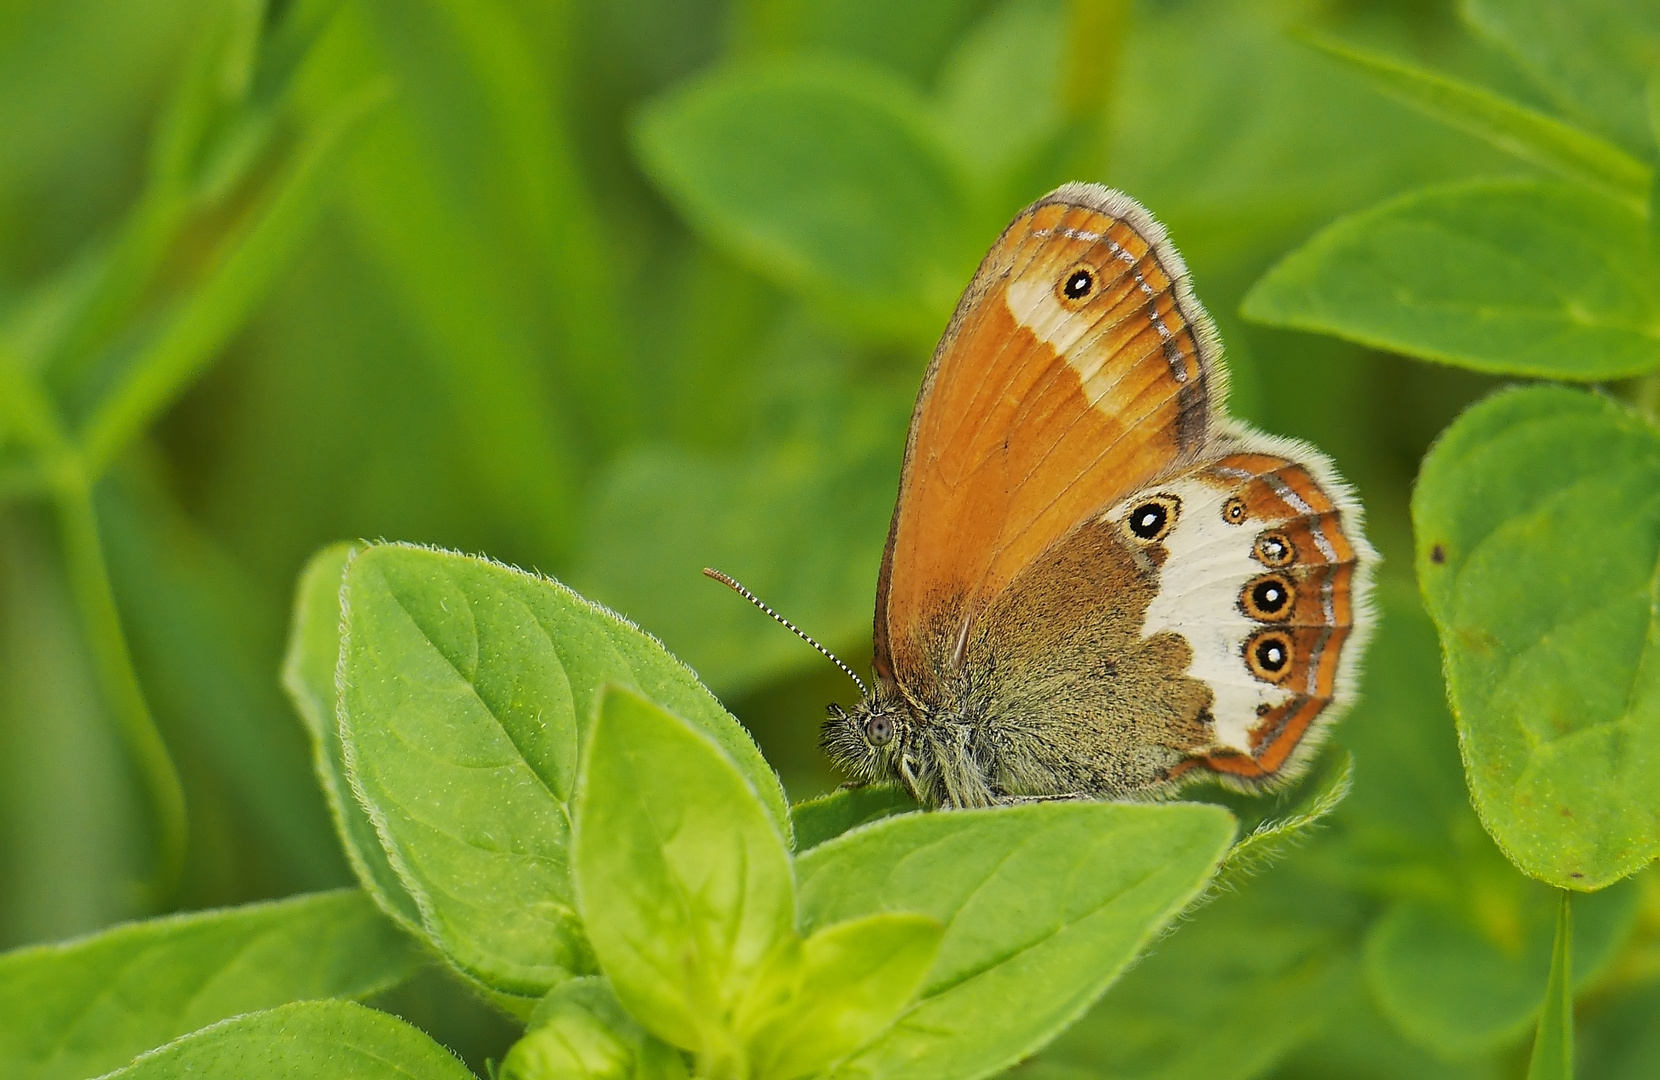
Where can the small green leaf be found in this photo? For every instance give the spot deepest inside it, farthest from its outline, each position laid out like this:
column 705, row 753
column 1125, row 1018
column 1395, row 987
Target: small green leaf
column 465, row 690
column 308, row 672
column 1553, row 682
column 1043, row 905
column 1515, row 129
column 828, row 816
column 81, row 1008
column 310, row 1040
column 1510, row 277
column 580, row 1032
column 1273, row 837
column 1591, row 56
column 684, row 880
column 1553, row 1046
column 851, row 980
column 826, row 176
column 1468, row 981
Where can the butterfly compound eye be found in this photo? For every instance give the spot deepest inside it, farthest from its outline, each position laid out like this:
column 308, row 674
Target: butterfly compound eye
column 879, row 730
column 1078, row 283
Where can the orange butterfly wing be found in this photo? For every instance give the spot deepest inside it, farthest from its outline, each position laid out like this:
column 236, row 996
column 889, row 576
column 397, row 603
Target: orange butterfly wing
column 1029, row 419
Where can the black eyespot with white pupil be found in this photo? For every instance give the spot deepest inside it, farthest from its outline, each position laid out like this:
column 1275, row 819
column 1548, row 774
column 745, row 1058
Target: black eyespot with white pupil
column 1269, row 595
column 1268, row 655
column 879, row 730
column 1273, row 549
column 1148, row 520
column 1078, row 284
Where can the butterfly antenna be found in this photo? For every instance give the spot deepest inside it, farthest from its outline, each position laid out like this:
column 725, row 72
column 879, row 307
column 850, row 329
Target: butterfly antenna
column 732, row 584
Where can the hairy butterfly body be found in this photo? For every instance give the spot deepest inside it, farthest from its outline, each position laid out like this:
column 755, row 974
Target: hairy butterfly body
column 1096, row 583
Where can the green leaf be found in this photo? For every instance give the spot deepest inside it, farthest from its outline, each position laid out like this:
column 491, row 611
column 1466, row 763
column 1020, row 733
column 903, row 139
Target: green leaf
column 465, row 690
column 1526, row 133
column 849, row 982
column 827, row 177
column 1044, row 906
column 1509, row 277
column 309, row 1040
column 1591, row 56
column 828, row 816
column 908, row 38
column 1244, row 981
column 1273, row 837
column 1471, row 981
column 308, row 673
column 1554, row 684
column 1553, row 1047
column 684, row 879
column 580, row 1032
column 1001, row 94
column 81, row 1008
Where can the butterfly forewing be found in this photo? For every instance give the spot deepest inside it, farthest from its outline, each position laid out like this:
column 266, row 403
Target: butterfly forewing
column 1077, row 368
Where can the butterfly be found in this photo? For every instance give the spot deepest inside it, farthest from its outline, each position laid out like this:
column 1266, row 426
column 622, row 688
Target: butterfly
column 1097, row 584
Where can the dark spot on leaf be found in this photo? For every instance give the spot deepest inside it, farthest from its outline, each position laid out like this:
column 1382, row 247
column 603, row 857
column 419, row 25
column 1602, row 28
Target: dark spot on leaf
column 1437, row 554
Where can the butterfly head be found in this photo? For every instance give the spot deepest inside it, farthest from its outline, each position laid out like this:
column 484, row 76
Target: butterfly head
column 871, row 741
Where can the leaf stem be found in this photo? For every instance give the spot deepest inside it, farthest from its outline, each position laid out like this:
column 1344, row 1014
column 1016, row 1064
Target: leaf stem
column 30, row 415
column 1553, row 1046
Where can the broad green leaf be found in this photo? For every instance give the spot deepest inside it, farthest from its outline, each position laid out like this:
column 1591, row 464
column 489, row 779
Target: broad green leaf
column 826, row 176
column 308, row 673
column 1515, row 129
column 828, row 816
column 849, row 982
column 1044, row 906
column 1246, row 979
column 908, row 38
column 309, row 1040
column 1538, row 536
column 466, row 688
column 1591, row 56
column 1462, row 983
column 81, row 1008
column 1553, row 1046
column 1001, row 94
column 580, row 1032
column 1510, row 277
column 684, row 879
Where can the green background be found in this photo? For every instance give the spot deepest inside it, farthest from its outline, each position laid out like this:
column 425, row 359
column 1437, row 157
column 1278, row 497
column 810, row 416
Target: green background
column 600, row 289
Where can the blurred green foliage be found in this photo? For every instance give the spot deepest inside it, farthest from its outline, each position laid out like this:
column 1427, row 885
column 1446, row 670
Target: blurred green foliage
column 598, row 288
